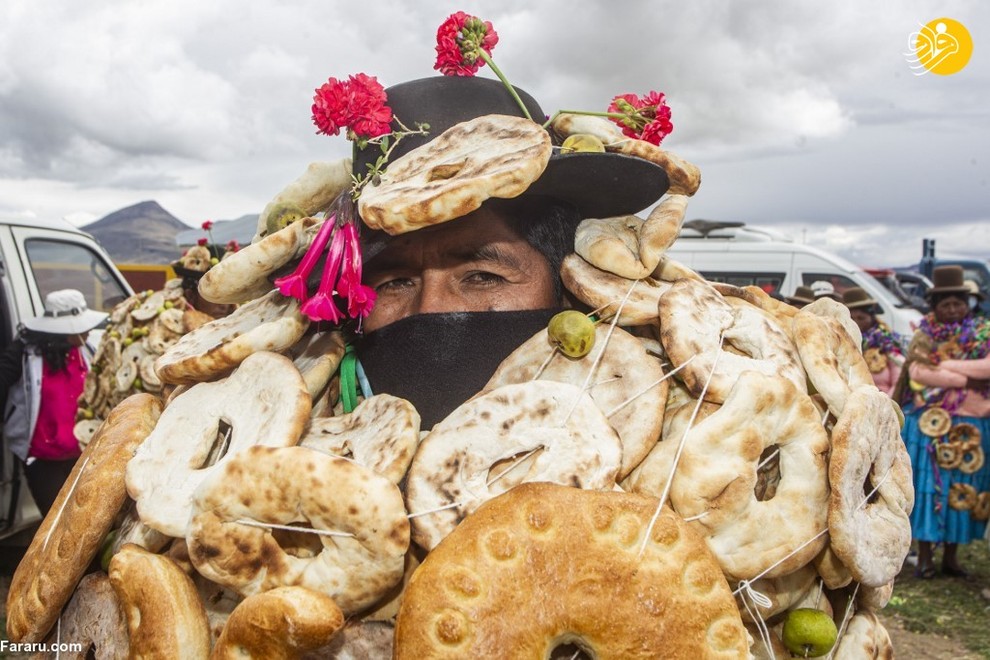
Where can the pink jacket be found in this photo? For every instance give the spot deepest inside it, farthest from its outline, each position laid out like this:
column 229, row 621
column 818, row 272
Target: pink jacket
column 886, row 380
column 953, row 373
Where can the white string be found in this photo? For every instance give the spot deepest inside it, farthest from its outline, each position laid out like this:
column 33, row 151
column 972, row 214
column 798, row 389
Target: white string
column 697, row 517
column 759, row 600
column 65, row 501
column 825, row 417
column 601, row 352
column 546, row 363
column 437, row 510
column 649, row 387
column 290, row 528
column 514, row 464
column 58, row 638
column 768, row 458
column 845, row 621
column 680, row 448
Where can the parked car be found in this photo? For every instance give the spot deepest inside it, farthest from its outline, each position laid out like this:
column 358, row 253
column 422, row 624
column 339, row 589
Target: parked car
column 36, row 258
column 907, row 287
column 744, row 255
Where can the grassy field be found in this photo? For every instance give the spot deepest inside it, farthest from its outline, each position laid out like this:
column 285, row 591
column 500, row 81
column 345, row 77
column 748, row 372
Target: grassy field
column 948, row 607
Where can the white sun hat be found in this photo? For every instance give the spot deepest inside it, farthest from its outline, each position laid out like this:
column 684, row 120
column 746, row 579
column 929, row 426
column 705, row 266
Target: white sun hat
column 66, row 313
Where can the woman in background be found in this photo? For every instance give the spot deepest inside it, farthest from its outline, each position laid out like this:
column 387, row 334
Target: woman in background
column 881, row 347
column 42, row 374
column 947, row 424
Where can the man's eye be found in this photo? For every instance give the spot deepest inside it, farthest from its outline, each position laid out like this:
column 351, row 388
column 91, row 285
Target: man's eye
column 393, row 285
column 484, row 278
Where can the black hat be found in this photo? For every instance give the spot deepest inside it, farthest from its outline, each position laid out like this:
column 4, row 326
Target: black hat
column 598, row 185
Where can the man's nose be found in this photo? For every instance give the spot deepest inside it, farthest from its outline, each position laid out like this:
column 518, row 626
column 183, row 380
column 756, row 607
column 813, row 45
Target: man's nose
column 436, row 297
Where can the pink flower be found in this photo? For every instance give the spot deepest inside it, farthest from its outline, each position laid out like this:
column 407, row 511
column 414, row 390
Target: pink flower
column 208, row 225
column 321, row 306
column 460, row 40
column 368, row 116
column 330, row 112
column 203, row 241
column 644, row 118
column 294, row 285
column 360, row 298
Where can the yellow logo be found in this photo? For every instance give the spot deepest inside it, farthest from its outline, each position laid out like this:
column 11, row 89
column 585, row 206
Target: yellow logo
column 942, row 46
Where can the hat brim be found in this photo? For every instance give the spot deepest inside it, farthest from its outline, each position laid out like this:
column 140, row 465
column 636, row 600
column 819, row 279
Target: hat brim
column 948, row 290
column 862, row 303
column 182, row 271
column 66, row 325
column 601, row 185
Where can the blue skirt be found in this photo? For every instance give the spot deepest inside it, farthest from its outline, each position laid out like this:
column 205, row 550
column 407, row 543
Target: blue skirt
column 932, row 519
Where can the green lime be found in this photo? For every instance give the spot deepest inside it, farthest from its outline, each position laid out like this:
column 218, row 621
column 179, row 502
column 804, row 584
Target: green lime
column 572, row 332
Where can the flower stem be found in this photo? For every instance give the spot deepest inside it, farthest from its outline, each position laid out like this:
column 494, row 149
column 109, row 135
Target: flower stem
column 505, row 81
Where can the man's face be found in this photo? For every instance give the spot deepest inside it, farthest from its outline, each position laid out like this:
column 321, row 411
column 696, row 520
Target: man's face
column 474, row 264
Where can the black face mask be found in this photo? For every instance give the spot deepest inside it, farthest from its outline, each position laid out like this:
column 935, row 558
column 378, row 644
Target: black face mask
column 439, row 361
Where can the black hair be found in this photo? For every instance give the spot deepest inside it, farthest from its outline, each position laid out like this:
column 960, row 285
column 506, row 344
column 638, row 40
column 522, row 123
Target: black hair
column 547, row 225
column 54, row 349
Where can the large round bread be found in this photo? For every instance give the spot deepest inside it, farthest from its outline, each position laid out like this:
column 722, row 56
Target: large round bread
column 452, row 175
column 543, row 565
column 71, row 533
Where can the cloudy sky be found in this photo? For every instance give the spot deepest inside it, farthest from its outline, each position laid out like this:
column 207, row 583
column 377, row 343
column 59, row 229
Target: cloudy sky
column 804, row 116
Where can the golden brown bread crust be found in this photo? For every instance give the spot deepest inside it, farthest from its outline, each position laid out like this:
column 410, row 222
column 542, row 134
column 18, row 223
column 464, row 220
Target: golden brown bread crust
column 83, row 512
column 165, row 617
column 544, row 564
column 279, row 625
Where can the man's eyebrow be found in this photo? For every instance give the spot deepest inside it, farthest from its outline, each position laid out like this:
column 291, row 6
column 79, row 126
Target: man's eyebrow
column 489, row 252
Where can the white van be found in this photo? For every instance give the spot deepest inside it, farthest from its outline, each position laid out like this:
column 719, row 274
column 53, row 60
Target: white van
column 742, row 255
column 37, row 257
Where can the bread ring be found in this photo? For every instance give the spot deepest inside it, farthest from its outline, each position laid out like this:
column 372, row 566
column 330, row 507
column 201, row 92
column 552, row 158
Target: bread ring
column 454, row 173
column 717, row 474
column 285, row 485
column 962, row 497
column 870, row 539
column 454, row 462
column 948, row 455
column 601, row 290
column 693, row 316
column 876, row 361
column 317, row 358
column 280, row 624
column 935, row 422
column 966, row 435
column 165, row 618
column 312, row 192
column 94, row 620
column 981, row 510
column 543, row 565
column 381, row 433
column 263, row 402
column 627, row 245
column 270, row 323
column 624, row 371
column 830, row 356
column 75, row 527
column 244, row 275
column 864, row 637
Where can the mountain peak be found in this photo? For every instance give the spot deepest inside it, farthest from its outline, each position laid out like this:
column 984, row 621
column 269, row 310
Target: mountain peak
column 141, row 233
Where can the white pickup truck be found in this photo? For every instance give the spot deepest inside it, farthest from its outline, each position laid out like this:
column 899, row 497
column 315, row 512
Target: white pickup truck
column 37, row 257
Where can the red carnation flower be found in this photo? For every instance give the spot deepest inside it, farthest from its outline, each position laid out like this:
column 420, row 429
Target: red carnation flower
column 330, row 111
column 368, row 116
column 460, row 41
column 644, row 118
column 208, row 225
column 202, row 241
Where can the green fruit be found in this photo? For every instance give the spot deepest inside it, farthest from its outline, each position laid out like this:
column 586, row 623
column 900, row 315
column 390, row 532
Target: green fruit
column 582, row 142
column 168, row 304
column 809, row 633
column 127, row 341
column 138, row 384
column 115, row 334
column 214, row 261
column 88, row 413
column 572, row 332
column 282, row 215
column 106, row 552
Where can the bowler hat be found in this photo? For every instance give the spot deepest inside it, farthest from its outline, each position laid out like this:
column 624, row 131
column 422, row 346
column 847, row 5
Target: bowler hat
column 802, row 294
column 947, row 279
column 598, row 185
column 855, row 297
